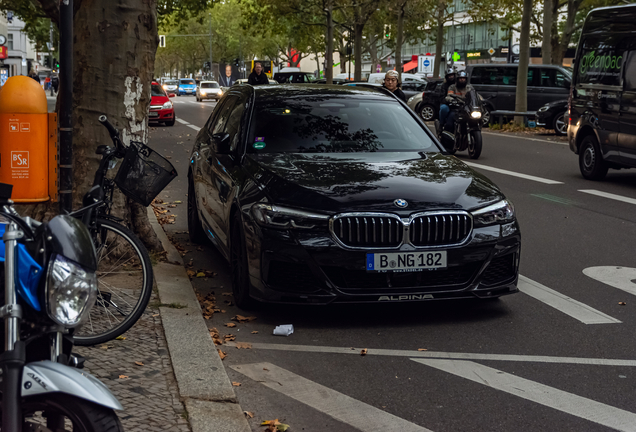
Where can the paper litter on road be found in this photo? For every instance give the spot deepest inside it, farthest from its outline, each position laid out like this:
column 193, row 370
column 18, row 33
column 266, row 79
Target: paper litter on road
column 284, row 330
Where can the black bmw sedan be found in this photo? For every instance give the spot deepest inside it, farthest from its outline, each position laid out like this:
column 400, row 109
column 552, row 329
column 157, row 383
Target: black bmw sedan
column 318, row 194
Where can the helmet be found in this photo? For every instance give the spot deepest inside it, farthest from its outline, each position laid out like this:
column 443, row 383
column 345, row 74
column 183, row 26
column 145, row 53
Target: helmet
column 462, row 74
column 450, row 76
column 450, row 71
column 462, row 80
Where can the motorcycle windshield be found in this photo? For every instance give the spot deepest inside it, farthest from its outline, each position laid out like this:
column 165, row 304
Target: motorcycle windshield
column 473, row 100
column 29, row 273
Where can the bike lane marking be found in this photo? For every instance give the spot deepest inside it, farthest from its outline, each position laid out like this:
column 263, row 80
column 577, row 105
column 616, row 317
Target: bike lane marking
column 182, row 121
column 609, row 195
column 524, row 138
column 341, row 407
column 551, row 397
column 514, row 174
column 615, row 276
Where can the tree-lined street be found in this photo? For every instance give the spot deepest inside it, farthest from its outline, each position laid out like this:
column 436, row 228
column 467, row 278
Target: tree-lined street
column 556, row 356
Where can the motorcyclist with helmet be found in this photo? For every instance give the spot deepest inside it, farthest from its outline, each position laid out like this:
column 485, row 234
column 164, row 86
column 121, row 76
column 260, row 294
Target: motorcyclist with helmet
column 444, row 109
column 460, row 89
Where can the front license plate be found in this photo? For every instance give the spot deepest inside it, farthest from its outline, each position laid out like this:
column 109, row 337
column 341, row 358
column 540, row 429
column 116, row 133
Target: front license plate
column 153, row 114
column 405, row 261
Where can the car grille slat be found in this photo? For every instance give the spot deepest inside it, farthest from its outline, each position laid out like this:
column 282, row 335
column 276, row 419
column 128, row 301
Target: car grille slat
column 441, row 229
column 369, row 231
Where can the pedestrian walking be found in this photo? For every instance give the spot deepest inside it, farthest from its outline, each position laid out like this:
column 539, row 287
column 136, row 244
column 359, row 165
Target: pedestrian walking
column 257, row 77
column 35, row 76
column 392, row 84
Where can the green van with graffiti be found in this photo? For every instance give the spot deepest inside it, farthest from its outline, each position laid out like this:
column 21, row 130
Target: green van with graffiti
column 602, row 104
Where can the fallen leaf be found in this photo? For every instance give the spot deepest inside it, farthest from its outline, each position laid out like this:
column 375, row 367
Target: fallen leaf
column 236, row 384
column 222, row 354
column 248, row 414
column 191, row 273
column 123, row 376
column 154, row 315
column 230, row 325
column 177, row 202
column 243, row 319
column 200, row 274
column 265, row 369
column 270, row 422
column 422, row 349
column 363, row 352
column 138, row 363
column 229, row 337
column 254, row 332
column 120, row 338
column 226, row 294
column 244, row 345
column 622, row 303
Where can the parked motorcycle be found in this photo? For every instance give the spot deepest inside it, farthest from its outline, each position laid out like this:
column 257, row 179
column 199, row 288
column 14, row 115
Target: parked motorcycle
column 49, row 287
column 467, row 128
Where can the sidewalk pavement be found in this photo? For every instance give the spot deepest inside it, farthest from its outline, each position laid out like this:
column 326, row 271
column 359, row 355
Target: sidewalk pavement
column 165, row 370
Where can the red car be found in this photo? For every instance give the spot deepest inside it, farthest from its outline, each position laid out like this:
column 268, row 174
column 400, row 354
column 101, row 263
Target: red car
column 161, row 108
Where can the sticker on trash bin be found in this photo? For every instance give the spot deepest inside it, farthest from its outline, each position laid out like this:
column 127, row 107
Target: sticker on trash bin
column 284, row 330
column 19, row 159
column 25, row 127
column 14, row 127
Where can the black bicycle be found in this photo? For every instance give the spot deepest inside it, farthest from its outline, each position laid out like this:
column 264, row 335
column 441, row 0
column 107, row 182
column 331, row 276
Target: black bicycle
column 124, row 270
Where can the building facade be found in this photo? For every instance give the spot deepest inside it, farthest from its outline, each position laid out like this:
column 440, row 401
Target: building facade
column 21, row 51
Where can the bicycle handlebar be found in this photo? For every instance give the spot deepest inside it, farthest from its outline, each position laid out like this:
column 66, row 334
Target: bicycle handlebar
column 114, row 133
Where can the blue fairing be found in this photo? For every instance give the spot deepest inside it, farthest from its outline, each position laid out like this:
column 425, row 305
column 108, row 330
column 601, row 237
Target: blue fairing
column 29, row 273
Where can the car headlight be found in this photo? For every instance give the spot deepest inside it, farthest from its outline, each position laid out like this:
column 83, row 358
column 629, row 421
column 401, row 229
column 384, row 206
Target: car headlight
column 273, row 216
column 543, row 108
column 475, row 114
column 202, row 92
column 167, row 105
column 165, row 87
column 500, row 212
column 71, row 292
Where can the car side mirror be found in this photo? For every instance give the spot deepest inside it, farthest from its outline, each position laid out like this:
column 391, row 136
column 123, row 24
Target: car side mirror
column 171, row 95
column 221, row 143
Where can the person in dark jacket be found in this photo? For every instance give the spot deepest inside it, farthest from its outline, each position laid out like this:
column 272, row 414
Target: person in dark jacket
column 257, row 77
column 392, row 84
column 444, row 109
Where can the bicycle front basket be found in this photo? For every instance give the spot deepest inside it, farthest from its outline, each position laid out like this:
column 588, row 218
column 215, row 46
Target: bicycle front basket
column 143, row 173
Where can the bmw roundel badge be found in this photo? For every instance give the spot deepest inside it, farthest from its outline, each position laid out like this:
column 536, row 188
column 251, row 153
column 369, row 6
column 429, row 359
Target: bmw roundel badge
column 401, row 203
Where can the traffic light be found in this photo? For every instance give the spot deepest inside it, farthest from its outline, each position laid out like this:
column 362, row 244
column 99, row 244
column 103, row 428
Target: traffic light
column 56, row 63
column 387, row 31
column 236, row 62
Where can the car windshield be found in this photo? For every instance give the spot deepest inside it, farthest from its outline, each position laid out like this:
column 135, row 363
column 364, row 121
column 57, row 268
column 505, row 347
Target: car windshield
column 156, row 90
column 187, row 82
column 316, row 124
column 172, row 82
column 210, row 85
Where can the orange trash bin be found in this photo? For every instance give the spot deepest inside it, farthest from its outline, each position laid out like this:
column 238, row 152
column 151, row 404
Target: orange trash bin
column 24, row 139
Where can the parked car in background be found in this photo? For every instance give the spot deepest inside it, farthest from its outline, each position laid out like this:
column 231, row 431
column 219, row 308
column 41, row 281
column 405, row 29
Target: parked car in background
column 602, row 120
column 554, row 115
column 426, row 103
column 171, row 86
column 322, row 194
column 294, row 77
column 186, row 86
column 161, row 108
column 208, row 90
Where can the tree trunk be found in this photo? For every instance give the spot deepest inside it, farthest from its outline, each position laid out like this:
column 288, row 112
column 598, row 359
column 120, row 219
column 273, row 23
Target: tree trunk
column 398, row 40
column 113, row 80
column 439, row 42
column 357, row 52
column 329, row 50
column 546, row 45
column 573, row 8
column 521, row 103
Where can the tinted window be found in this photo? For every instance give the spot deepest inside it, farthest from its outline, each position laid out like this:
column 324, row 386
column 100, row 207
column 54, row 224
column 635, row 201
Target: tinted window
column 630, row 71
column 599, row 62
column 172, row 82
column 234, row 122
column 219, row 122
column 210, row 85
column 553, row 78
column 413, row 86
column 317, row 124
column 156, row 90
column 187, row 81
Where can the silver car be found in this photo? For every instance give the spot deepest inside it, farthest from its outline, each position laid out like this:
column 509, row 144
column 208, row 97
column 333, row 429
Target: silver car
column 208, row 90
column 171, row 86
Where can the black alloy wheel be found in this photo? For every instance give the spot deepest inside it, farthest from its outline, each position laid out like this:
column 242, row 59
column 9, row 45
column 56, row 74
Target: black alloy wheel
column 239, row 266
column 427, row 112
column 195, row 227
column 591, row 162
column 560, row 124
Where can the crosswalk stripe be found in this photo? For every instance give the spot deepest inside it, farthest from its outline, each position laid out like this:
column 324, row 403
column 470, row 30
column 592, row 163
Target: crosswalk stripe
column 512, row 173
column 343, row 408
column 563, row 303
column 569, row 403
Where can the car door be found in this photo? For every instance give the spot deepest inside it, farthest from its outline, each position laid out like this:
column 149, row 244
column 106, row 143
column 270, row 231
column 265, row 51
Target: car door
column 551, row 85
column 627, row 118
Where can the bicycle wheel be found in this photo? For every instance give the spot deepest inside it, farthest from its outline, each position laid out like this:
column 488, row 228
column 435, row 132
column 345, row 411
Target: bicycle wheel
column 124, row 280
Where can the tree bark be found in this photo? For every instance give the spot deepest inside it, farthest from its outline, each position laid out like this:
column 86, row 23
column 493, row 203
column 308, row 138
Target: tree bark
column 357, row 52
column 329, row 50
column 521, row 103
column 546, row 45
column 439, row 42
column 399, row 39
column 568, row 31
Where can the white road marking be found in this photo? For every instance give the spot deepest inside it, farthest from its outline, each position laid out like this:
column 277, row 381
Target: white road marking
column 616, row 276
column 512, row 173
column 182, row 121
column 335, row 404
column 569, row 403
column 196, row 128
column 563, row 303
column 609, row 195
column 441, row 354
column 524, row 138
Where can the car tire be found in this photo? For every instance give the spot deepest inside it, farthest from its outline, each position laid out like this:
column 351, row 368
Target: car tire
column 171, row 122
column 239, row 265
column 560, row 125
column 427, row 112
column 591, row 162
column 195, row 227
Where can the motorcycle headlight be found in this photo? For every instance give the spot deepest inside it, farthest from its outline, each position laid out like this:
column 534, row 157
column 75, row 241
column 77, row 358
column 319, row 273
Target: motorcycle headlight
column 500, row 212
column 272, row 216
column 475, row 114
column 71, row 292
column 167, row 105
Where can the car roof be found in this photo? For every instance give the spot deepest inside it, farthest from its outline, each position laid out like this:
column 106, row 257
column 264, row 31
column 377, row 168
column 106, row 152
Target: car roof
column 214, row 82
column 286, row 91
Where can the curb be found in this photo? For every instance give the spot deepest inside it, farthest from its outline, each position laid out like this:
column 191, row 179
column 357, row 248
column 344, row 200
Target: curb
column 204, row 386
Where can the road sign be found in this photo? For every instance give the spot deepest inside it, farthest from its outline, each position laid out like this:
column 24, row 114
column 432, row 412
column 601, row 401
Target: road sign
column 491, row 51
column 456, row 56
column 427, row 63
column 162, row 41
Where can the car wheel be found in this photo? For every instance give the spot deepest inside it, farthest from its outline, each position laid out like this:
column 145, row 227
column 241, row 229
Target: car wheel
column 195, row 227
column 171, row 122
column 560, row 124
column 427, row 112
column 239, row 266
column 591, row 162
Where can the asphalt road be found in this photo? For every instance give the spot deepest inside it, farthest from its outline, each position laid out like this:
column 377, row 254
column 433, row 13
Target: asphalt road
column 559, row 356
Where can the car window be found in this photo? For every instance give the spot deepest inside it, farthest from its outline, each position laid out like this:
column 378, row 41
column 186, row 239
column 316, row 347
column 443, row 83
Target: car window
column 553, row 78
column 413, row 86
column 187, row 81
column 233, row 125
column 630, row 71
column 316, row 124
column 600, row 62
column 218, row 125
column 156, row 90
column 210, row 85
column 171, row 82
column 487, row 75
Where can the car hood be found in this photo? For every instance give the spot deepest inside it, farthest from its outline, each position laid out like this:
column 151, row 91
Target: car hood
column 159, row 100
column 560, row 103
column 340, row 182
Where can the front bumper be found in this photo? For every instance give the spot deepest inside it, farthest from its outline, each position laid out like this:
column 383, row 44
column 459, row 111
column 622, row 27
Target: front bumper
column 310, row 268
column 161, row 115
column 216, row 96
column 187, row 91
